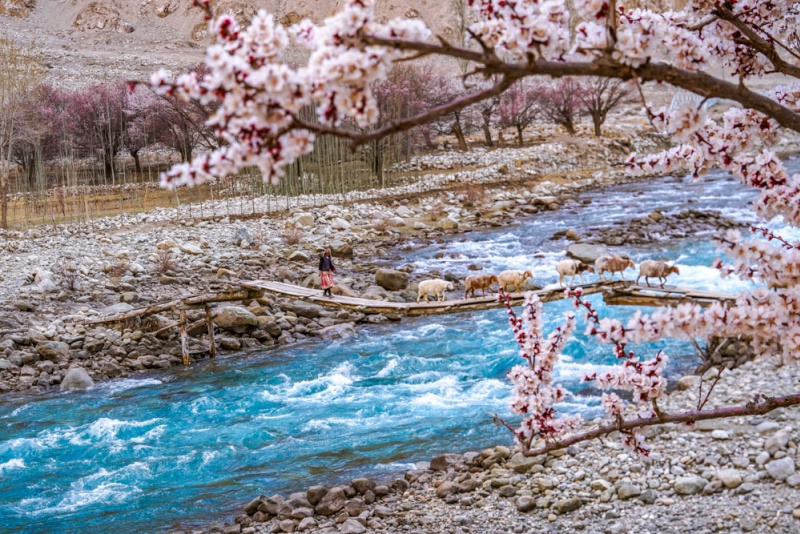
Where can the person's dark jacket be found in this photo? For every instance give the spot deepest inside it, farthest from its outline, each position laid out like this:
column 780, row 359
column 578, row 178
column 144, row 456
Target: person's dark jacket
column 326, row 264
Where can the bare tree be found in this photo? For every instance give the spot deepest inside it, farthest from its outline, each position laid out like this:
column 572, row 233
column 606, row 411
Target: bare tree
column 487, row 109
column 402, row 94
column 141, row 108
column 445, row 89
column 21, row 72
column 519, row 107
column 181, row 125
column 601, row 95
column 97, row 122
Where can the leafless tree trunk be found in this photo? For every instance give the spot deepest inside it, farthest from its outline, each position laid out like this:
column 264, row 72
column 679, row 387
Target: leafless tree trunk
column 459, row 133
column 486, row 123
column 599, row 96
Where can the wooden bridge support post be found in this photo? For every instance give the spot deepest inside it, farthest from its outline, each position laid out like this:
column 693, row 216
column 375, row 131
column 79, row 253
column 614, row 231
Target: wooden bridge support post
column 212, row 345
column 184, row 340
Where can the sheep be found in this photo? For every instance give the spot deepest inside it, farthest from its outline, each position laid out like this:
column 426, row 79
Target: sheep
column 657, row 269
column 479, row 281
column 612, row 264
column 572, row 268
column 508, row 279
column 436, row 287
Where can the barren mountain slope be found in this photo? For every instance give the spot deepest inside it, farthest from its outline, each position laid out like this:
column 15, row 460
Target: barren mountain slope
column 92, row 40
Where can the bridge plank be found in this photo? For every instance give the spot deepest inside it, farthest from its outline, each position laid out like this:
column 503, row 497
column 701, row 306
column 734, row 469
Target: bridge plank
column 619, row 292
column 413, row 308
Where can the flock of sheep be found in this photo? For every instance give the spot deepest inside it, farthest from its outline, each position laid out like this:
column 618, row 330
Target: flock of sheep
column 566, row 268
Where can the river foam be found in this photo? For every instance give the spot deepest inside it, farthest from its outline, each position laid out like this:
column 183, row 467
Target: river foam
column 104, row 460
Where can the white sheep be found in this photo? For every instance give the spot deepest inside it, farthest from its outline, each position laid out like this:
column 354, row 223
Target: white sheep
column 656, row 269
column 572, row 268
column 612, row 264
column 436, row 287
column 512, row 278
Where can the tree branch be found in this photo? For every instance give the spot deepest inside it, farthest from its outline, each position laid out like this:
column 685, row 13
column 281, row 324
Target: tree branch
column 360, row 138
column 697, row 82
column 766, row 405
column 757, row 42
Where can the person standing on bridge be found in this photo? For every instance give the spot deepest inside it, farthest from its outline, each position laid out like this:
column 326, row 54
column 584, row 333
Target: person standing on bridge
column 326, row 270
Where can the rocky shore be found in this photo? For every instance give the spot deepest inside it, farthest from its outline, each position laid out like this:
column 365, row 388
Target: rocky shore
column 734, row 475
column 57, row 280
column 659, row 227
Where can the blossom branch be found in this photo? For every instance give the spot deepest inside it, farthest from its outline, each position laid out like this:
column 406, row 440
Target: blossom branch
column 757, row 42
column 760, row 407
column 769, row 235
column 697, row 82
column 701, row 400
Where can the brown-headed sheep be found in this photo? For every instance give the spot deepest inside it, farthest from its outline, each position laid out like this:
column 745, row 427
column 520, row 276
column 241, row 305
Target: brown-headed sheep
column 612, row 264
column 572, row 268
column 435, row 287
column 656, row 269
column 512, row 278
column 479, row 281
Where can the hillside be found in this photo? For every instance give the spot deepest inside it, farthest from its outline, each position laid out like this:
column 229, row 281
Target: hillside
column 94, row 40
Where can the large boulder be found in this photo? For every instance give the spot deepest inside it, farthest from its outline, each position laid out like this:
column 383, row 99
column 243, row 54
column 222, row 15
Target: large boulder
column 587, row 253
column 167, row 244
column 299, row 256
column 45, row 286
column 53, row 350
column 243, row 238
column 730, row 478
column 338, row 331
column 567, row 505
column 340, row 249
column 303, row 309
column 351, row 526
column 549, row 202
column 781, row 469
column 235, row 318
column 339, row 224
column 76, row 379
column 312, row 281
column 689, row 484
column 391, row 280
column 404, row 211
column 304, row 220
column 6, row 365
column 40, row 275
column 189, row 248
column 343, row 291
column 448, row 223
column 332, row 502
column 120, row 307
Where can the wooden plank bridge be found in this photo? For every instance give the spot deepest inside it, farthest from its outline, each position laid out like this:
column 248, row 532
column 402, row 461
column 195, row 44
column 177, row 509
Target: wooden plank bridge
column 620, row 292
column 614, row 293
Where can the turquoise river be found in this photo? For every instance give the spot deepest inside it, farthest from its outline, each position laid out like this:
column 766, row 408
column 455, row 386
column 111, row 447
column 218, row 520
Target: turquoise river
column 182, row 448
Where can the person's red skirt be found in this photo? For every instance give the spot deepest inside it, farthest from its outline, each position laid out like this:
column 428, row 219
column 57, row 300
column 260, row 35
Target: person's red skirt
column 326, row 279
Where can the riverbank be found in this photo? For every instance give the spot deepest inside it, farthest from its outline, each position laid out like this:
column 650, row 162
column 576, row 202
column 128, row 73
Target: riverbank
column 55, row 280
column 142, row 433
column 734, row 475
